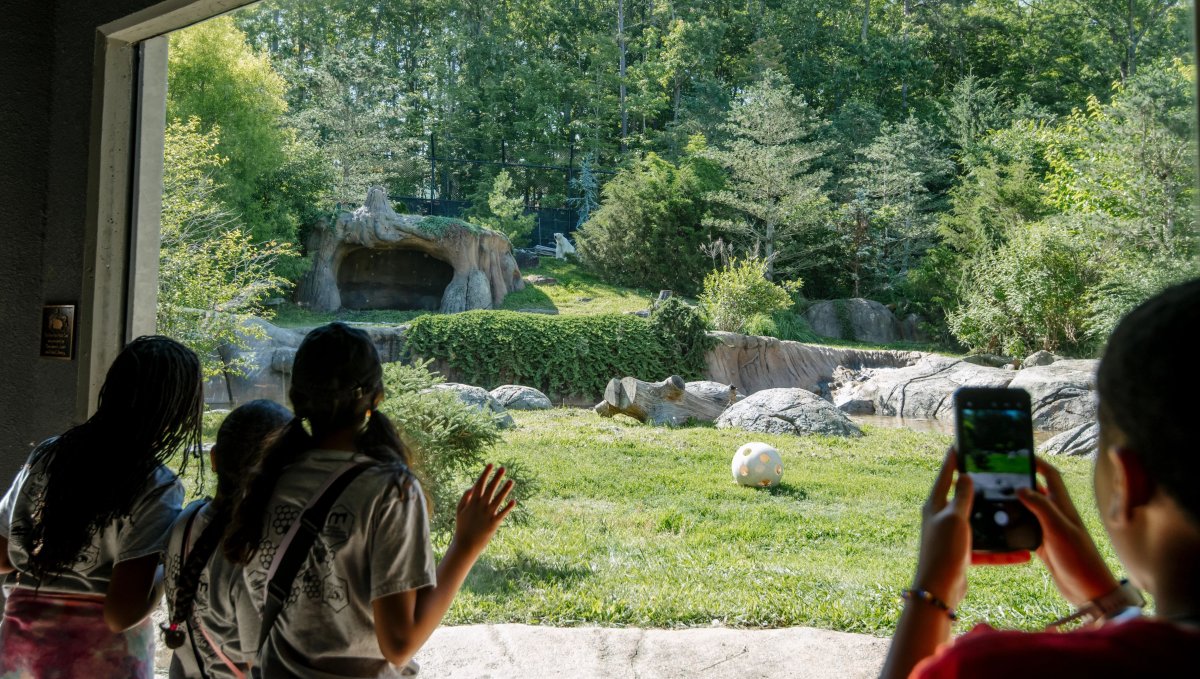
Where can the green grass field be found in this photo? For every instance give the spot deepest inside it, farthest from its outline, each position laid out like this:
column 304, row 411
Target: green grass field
column 643, row 526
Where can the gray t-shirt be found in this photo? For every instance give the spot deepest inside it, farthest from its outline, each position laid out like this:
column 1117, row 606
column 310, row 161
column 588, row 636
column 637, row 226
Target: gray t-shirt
column 220, row 592
column 142, row 533
column 375, row 542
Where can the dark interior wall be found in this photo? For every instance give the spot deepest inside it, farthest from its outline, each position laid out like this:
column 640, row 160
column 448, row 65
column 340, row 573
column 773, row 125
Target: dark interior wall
column 46, row 54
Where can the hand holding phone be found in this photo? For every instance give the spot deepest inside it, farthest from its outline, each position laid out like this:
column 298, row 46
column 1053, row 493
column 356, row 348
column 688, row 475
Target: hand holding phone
column 995, row 448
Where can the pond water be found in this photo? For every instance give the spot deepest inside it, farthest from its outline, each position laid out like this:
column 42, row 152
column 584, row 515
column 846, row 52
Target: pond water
column 936, row 426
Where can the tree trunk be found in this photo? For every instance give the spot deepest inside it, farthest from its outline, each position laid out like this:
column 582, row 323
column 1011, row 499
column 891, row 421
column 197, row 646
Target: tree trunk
column 667, row 402
column 621, row 47
column 866, row 22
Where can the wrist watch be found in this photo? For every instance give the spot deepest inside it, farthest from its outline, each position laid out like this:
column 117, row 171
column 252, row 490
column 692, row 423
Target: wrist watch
column 1105, row 606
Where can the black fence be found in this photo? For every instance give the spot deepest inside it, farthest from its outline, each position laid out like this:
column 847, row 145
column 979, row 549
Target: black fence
column 549, row 220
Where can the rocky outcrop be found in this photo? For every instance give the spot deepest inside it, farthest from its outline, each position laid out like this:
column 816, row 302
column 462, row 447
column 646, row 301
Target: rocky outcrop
column 262, row 366
column 478, row 398
column 925, row 390
column 1062, row 393
column 517, row 397
column 377, row 258
column 869, row 321
column 1038, row 358
column 1082, row 440
column 787, row 411
column 751, row 363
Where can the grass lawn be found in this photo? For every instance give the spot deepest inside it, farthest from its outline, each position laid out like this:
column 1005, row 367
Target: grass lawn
column 576, row 293
column 637, row 525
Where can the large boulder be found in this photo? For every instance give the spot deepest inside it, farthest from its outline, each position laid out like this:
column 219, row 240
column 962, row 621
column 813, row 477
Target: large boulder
column 376, row 258
column 1041, row 357
column 1082, row 440
column 869, row 321
column 480, row 399
column 924, row 390
column 787, row 411
column 1062, row 393
column 517, row 397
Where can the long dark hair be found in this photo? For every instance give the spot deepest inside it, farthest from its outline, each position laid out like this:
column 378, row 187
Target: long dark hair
column 246, row 433
column 150, row 407
column 336, row 380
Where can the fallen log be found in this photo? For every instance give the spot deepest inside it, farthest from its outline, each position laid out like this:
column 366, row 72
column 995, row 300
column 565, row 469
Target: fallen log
column 667, row 402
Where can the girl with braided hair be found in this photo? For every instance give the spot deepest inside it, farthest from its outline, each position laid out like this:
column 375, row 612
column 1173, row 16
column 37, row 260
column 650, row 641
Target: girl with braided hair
column 368, row 592
column 86, row 520
column 203, row 589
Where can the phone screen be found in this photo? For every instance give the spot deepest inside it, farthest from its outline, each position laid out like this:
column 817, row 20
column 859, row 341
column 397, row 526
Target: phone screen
column 997, row 451
column 995, row 447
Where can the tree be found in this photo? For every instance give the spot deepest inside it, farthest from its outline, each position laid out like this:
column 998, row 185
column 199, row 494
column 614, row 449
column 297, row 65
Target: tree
column 506, row 212
column 890, row 219
column 587, row 192
column 773, row 191
column 212, row 276
column 270, row 180
column 650, row 226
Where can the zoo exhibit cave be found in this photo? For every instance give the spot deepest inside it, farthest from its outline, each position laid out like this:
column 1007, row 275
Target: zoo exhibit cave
column 393, row 279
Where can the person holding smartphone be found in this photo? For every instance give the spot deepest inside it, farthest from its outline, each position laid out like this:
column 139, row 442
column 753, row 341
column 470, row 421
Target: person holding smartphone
column 1147, row 488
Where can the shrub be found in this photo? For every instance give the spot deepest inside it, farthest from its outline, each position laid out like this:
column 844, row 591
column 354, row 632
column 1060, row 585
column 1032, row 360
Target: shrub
column 683, row 334
column 561, row 355
column 1027, row 295
column 648, row 230
column 784, row 325
column 447, row 439
column 735, row 293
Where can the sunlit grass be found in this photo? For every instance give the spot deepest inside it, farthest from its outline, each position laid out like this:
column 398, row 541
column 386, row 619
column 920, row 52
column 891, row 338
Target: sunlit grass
column 637, row 525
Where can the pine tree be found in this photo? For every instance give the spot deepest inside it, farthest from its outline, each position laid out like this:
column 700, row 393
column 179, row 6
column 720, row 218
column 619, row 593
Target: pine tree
column 773, row 192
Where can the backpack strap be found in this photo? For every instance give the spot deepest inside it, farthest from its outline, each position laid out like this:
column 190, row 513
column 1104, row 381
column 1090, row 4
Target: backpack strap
column 298, row 542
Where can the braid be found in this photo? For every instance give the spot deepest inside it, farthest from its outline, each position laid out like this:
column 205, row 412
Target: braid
column 246, row 523
column 150, row 407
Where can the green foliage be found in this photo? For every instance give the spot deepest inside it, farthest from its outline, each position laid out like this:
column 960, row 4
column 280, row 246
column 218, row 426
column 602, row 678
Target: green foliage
column 648, row 231
column 842, row 311
column 560, row 355
column 438, row 226
column 740, row 290
column 774, row 191
column 682, row 332
column 271, row 180
column 212, row 277
column 448, row 440
column 784, row 325
column 1028, row 295
column 506, row 211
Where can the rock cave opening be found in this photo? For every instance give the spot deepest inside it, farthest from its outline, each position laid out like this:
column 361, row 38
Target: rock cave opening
column 405, row 279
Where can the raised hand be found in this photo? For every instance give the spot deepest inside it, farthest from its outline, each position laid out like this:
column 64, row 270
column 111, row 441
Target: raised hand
column 946, row 536
column 481, row 510
column 1067, row 548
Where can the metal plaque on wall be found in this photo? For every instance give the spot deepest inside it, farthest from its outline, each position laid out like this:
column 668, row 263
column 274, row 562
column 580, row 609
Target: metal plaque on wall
column 58, row 331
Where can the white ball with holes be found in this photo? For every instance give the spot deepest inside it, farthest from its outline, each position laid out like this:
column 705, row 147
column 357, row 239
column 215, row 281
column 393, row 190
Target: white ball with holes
column 757, row 464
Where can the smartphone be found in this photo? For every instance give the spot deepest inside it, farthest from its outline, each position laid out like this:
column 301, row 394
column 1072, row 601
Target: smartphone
column 995, row 447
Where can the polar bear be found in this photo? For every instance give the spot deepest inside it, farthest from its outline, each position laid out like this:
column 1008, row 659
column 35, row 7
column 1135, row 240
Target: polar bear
column 562, row 246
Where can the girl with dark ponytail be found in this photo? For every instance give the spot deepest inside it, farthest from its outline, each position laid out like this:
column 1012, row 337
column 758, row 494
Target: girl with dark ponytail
column 203, row 588
column 368, row 593
column 85, row 522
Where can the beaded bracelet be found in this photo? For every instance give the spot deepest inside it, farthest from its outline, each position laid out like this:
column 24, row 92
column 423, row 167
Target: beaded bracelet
column 927, row 597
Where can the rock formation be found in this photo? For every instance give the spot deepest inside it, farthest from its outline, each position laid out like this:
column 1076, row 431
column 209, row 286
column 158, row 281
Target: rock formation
column 478, row 398
column 1080, row 441
column 869, row 321
column 752, row 363
column 376, row 258
column 787, row 411
column 517, row 397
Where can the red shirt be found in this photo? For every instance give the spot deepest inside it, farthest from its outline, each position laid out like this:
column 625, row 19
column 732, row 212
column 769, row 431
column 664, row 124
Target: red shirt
column 1139, row 648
